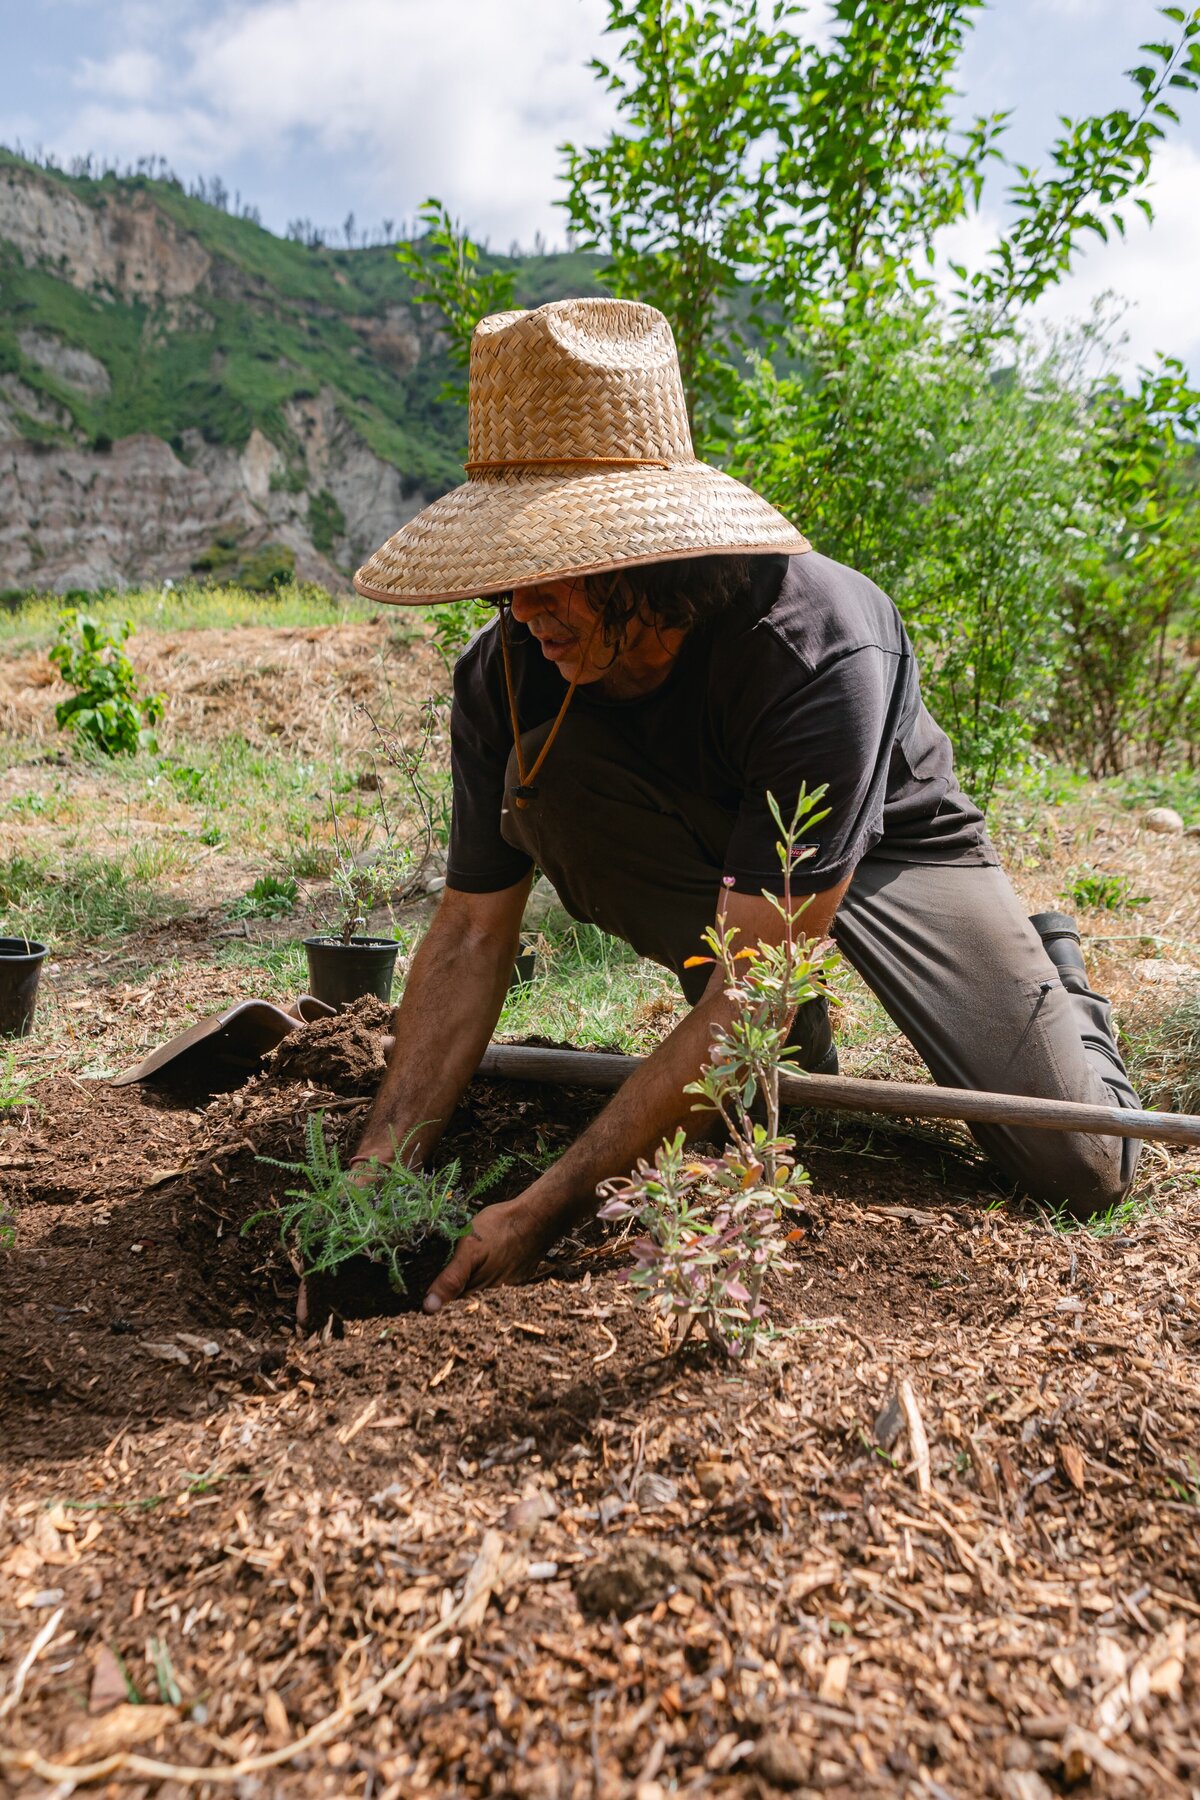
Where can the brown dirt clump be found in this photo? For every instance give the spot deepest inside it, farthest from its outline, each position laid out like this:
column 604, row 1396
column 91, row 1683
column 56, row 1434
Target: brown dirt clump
column 344, row 1054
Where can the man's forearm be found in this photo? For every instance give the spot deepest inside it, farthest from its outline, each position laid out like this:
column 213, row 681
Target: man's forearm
column 452, row 999
column 644, row 1110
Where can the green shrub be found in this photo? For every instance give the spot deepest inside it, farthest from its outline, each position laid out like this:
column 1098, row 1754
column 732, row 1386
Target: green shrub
column 268, row 568
column 326, row 520
column 106, row 710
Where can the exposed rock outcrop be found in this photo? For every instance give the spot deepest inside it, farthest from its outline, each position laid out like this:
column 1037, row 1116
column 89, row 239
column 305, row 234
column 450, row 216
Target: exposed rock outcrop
column 123, row 242
column 74, row 518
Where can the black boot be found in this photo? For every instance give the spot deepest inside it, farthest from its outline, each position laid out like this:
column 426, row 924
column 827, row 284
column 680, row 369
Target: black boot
column 812, row 1034
column 1060, row 937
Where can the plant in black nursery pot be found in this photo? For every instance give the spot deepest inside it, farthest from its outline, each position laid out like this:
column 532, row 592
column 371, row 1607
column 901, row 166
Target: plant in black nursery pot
column 370, row 1241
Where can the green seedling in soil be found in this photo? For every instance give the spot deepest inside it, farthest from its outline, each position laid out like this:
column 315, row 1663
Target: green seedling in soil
column 271, row 897
column 106, row 711
column 1092, row 890
column 714, row 1228
column 387, row 1212
column 14, row 1085
column 395, row 872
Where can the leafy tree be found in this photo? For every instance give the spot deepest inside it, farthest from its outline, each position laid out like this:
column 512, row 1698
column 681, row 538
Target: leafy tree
column 1096, row 165
column 747, row 154
column 960, row 485
column 447, row 273
column 1131, row 677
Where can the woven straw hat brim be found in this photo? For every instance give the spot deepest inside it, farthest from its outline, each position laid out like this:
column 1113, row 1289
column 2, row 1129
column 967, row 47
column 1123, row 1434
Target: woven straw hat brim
column 518, row 528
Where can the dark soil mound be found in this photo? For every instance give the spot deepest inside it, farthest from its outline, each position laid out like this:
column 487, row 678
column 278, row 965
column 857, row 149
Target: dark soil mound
column 344, row 1054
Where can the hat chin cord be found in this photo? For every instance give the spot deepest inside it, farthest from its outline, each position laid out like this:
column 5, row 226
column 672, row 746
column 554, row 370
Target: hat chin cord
column 525, row 791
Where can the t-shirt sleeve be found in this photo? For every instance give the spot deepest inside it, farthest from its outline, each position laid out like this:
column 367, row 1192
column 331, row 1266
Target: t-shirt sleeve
column 830, row 727
column 479, row 861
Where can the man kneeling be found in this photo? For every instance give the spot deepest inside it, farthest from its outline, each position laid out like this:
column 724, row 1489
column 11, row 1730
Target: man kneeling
column 669, row 650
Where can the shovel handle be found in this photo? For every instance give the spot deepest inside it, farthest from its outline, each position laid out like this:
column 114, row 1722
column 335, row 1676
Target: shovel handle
column 909, row 1099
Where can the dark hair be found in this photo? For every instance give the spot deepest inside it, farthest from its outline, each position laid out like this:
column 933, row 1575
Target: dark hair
column 674, row 596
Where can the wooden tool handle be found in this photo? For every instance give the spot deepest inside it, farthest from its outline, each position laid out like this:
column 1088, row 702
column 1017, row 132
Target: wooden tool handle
column 911, row 1099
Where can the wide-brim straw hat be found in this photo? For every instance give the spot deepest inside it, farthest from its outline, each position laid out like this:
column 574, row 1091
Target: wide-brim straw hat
column 580, row 460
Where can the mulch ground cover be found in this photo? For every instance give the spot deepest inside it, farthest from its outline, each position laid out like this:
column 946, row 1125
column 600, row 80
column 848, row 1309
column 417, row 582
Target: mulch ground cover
column 940, row 1539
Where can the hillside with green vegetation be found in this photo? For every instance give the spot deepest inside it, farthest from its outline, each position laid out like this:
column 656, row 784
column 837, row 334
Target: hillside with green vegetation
column 131, row 309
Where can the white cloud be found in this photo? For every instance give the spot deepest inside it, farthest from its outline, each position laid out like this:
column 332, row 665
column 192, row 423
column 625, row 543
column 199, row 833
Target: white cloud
column 129, row 75
column 467, row 99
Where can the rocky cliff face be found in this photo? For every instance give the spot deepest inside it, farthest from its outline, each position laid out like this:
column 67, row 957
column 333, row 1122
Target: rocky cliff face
column 111, row 308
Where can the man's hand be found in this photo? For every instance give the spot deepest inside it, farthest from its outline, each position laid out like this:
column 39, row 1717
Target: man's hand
column 505, row 1244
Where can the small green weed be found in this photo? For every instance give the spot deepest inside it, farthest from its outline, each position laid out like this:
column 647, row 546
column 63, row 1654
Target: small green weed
column 334, row 1217
column 1095, row 890
column 1187, row 1489
column 14, row 1085
column 106, row 710
column 190, row 783
column 271, row 897
column 30, row 806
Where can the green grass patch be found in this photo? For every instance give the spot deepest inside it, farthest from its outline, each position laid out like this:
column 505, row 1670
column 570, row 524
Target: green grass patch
column 281, row 969
column 1163, row 1052
column 31, row 621
column 589, row 989
column 88, row 898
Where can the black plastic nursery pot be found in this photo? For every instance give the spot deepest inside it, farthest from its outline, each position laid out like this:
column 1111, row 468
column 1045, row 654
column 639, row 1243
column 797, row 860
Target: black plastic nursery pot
column 20, row 968
column 341, row 973
column 525, row 967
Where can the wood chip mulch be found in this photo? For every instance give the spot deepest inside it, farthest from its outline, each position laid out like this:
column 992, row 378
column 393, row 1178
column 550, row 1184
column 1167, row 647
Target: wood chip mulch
column 942, row 1539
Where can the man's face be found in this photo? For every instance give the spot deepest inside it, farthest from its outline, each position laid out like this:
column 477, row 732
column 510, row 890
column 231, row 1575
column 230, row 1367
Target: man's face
column 562, row 620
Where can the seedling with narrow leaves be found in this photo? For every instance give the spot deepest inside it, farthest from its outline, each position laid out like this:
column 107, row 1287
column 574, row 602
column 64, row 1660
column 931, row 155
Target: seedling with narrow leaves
column 714, row 1227
column 387, row 1212
column 362, row 878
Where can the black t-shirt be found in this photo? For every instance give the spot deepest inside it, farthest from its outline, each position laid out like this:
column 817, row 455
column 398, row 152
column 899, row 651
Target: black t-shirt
column 808, row 676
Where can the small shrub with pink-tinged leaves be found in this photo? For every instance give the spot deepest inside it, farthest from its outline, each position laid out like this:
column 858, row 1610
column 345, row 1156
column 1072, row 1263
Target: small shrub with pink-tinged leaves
column 713, row 1228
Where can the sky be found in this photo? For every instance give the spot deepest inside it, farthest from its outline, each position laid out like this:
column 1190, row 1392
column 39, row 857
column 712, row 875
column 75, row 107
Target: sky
column 320, row 108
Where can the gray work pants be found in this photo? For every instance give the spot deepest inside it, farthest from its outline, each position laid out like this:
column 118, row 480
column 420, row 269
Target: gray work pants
column 946, row 948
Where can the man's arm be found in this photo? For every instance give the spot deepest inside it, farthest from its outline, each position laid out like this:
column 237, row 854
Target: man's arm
column 452, row 999
column 507, row 1240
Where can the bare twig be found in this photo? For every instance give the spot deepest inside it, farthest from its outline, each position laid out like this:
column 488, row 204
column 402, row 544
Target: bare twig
column 9, row 1702
column 918, row 1442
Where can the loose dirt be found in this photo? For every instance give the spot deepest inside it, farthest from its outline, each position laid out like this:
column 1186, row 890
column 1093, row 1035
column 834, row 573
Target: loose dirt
column 941, row 1539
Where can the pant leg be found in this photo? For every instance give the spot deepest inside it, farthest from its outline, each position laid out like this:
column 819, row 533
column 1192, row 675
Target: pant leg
column 635, row 855
column 954, row 960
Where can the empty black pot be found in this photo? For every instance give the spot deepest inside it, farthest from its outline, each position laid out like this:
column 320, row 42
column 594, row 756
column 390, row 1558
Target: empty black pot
column 341, row 973
column 20, row 966
column 525, row 967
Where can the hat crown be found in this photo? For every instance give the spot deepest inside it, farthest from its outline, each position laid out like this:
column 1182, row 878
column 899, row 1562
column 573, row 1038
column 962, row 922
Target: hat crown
column 577, row 380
